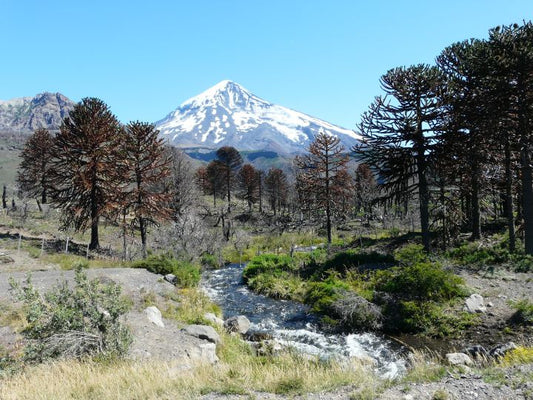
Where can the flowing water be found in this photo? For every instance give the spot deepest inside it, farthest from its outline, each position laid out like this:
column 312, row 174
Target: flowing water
column 291, row 324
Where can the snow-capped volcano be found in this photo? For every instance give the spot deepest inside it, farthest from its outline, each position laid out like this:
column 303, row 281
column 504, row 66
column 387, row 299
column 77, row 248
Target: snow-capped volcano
column 229, row 115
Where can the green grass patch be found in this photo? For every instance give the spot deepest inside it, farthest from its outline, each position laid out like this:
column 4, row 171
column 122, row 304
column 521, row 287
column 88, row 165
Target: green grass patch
column 187, row 274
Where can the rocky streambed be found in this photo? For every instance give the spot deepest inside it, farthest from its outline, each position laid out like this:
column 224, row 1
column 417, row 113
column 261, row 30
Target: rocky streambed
column 291, row 324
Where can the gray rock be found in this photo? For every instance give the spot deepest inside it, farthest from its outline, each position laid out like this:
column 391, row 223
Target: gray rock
column 214, row 319
column 171, row 278
column 475, row 304
column 502, row 349
column 205, row 352
column 239, row 324
column 154, row 316
column 203, row 332
column 458, row 359
column 490, row 304
column 477, row 351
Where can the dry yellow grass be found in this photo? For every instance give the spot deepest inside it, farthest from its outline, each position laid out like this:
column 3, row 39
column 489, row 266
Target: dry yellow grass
column 158, row 380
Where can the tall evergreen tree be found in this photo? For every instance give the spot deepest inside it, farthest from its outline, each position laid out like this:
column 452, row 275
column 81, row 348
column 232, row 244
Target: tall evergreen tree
column 513, row 46
column 399, row 131
column 318, row 172
column 230, row 158
column 32, row 175
column 249, row 185
column 146, row 166
column 83, row 167
column 276, row 188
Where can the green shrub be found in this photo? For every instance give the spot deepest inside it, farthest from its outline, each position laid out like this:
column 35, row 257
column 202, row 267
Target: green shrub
column 271, row 264
column 472, row 254
column 210, row 260
column 524, row 312
column 348, row 261
column 411, row 254
column 187, row 274
column 73, row 322
column 321, row 295
column 427, row 317
column 420, row 281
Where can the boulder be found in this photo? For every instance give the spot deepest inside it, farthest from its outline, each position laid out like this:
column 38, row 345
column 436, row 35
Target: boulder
column 171, row 278
column 474, row 304
column 458, row 359
column 154, row 316
column 477, row 351
column 214, row 319
column 203, row 332
column 239, row 324
column 502, row 349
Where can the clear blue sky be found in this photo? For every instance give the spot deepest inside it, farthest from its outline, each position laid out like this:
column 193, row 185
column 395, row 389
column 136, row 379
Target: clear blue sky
column 144, row 58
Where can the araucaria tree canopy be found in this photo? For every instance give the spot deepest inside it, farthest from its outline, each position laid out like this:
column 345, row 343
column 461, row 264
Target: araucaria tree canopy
column 83, row 166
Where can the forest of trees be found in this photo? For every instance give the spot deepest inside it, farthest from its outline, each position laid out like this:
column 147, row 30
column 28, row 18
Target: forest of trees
column 454, row 138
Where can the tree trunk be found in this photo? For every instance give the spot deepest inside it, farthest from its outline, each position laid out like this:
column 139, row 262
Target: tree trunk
column 424, row 210
column 142, row 228
column 476, row 217
column 527, row 201
column 509, row 197
column 94, row 244
column 4, row 197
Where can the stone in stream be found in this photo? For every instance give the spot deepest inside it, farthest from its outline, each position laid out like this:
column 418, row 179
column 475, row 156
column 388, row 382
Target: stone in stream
column 239, row 324
column 203, row 332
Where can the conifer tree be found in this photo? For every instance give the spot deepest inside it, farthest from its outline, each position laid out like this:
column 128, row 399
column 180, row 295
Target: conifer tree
column 146, row 166
column 32, row 175
column 83, row 166
column 318, row 172
column 399, row 131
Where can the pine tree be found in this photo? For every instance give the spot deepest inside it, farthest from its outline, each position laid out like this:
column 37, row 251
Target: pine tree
column 32, row 176
column 399, row 131
column 146, row 166
column 318, row 172
column 276, row 189
column 83, row 167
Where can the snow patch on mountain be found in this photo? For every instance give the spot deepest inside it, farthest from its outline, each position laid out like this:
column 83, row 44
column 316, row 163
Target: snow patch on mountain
column 228, row 114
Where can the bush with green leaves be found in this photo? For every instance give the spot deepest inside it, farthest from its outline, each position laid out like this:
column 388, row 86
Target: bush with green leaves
column 73, row 321
column 187, row 274
column 524, row 312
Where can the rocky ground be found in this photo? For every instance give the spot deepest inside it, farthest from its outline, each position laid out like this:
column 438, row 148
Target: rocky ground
column 498, row 290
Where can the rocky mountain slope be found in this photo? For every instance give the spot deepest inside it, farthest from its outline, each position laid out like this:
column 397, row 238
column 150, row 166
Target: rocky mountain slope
column 25, row 114
column 229, row 115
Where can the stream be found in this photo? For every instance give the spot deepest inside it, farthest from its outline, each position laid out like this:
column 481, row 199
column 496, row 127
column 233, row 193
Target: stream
column 291, row 324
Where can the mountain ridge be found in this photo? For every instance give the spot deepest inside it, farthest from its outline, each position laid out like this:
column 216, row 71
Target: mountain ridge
column 25, row 114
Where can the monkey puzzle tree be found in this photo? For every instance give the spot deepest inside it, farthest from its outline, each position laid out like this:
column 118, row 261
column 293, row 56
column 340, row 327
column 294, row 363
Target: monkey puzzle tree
column 399, row 131
column 513, row 47
column 230, row 159
column 276, row 188
column 318, row 172
column 83, row 166
column 32, row 175
column 146, row 166
column 249, row 184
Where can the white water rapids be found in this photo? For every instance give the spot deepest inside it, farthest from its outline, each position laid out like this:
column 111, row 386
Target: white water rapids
column 291, row 324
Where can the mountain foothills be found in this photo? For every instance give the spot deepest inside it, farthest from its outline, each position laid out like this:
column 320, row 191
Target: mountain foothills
column 229, row 115
column 26, row 114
